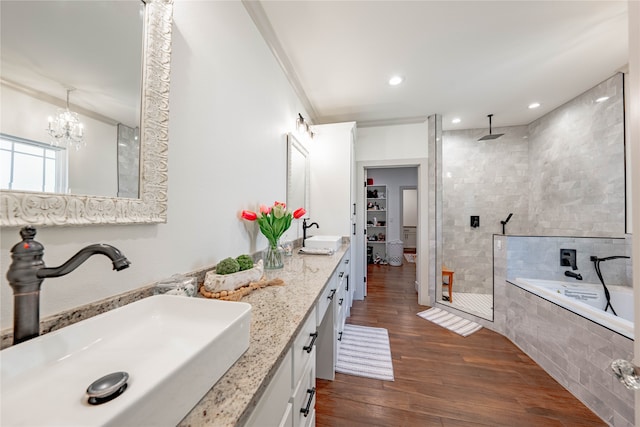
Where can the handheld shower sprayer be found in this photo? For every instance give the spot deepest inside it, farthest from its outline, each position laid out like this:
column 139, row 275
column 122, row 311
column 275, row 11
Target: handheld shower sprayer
column 505, row 222
column 596, row 264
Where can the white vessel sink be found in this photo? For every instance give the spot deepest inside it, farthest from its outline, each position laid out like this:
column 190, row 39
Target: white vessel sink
column 324, row 242
column 174, row 349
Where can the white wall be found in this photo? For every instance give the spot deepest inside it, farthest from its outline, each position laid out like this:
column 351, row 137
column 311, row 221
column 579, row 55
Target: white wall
column 392, row 142
column 231, row 107
column 409, row 207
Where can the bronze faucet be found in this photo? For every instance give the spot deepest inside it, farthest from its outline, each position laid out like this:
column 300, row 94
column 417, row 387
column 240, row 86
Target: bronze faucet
column 305, row 227
column 27, row 272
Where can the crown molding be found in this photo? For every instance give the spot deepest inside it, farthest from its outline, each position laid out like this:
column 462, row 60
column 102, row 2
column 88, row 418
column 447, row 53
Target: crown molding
column 258, row 15
column 392, row 122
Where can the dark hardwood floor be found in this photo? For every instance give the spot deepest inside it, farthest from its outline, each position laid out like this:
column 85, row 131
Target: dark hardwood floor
column 442, row 379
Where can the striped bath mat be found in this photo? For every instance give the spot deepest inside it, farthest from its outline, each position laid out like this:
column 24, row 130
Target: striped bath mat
column 450, row 321
column 365, row 352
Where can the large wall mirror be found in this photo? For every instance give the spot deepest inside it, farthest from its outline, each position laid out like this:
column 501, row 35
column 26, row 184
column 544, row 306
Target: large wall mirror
column 297, row 174
column 109, row 63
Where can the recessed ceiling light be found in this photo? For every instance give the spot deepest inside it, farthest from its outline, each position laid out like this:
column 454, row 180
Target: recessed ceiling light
column 602, row 99
column 534, row 105
column 395, row 80
column 456, row 120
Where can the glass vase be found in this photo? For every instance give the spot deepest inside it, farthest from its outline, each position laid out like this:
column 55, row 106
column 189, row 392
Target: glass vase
column 272, row 257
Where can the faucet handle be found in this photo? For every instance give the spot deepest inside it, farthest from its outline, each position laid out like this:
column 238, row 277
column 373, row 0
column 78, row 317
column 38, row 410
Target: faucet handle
column 27, row 246
column 28, row 232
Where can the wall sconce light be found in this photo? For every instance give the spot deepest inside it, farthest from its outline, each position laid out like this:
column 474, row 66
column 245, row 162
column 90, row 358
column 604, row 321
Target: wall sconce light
column 303, row 126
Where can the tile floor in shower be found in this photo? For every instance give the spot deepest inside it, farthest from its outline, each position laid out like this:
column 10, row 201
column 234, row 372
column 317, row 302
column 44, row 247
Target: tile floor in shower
column 480, row 305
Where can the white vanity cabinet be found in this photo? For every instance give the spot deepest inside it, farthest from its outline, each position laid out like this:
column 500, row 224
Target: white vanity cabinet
column 289, row 400
column 338, row 296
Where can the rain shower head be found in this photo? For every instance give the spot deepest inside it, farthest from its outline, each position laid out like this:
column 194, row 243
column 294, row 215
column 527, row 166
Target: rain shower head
column 491, row 135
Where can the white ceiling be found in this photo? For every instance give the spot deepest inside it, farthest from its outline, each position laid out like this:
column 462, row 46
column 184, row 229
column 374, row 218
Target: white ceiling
column 461, row 59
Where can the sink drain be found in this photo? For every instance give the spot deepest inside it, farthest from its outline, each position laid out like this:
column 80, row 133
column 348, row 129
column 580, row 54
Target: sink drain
column 107, row 388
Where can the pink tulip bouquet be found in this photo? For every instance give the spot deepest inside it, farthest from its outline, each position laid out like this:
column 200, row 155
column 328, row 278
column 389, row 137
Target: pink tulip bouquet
column 273, row 221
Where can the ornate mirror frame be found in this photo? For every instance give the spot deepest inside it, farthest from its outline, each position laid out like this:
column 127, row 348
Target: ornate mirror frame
column 44, row 209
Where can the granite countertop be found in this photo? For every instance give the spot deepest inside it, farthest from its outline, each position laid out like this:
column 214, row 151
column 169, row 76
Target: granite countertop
column 277, row 313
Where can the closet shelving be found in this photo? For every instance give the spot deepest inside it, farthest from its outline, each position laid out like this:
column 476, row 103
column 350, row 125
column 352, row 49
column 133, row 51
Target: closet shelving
column 376, row 221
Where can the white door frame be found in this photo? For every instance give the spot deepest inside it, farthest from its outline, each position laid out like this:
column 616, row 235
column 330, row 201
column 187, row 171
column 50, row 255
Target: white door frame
column 422, row 244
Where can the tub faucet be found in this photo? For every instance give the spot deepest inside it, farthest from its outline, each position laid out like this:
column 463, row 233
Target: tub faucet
column 304, row 228
column 27, row 272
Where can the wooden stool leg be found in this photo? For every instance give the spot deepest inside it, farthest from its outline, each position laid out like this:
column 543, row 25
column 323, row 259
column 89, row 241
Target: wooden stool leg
column 449, row 275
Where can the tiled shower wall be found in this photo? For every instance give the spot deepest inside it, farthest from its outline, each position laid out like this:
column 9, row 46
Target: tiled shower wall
column 562, row 175
column 576, row 166
column 484, row 178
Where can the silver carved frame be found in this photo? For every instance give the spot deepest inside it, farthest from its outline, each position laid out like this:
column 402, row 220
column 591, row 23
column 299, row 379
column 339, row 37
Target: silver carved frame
column 45, row 209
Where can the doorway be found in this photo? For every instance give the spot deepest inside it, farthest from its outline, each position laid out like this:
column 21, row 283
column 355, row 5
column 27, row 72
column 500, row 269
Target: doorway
column 382, row 226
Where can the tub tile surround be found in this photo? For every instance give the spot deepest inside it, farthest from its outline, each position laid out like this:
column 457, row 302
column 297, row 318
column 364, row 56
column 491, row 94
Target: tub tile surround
column 573, row 350
column 570, row 349
column 277, row 313
column 539, row 258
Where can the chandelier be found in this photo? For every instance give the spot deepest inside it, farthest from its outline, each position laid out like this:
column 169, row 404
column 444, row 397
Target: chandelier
column 65, row 129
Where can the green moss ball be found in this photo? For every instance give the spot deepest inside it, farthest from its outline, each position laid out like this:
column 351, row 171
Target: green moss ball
column 245, row 262
column 227, row 266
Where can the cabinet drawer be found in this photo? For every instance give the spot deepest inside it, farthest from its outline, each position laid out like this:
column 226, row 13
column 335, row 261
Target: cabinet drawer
column 311, row 419
column 287, row 418
column 325, row 299
column 303, row 346
column 340, row 305
column 304, row 397
column 339, row 327
column 272, row 406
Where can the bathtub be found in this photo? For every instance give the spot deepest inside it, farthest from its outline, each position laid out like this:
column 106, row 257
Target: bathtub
column 587, row 300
